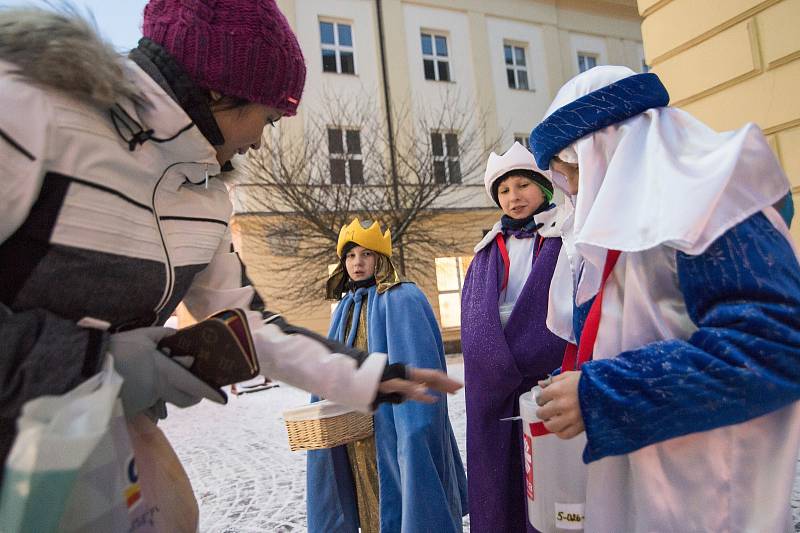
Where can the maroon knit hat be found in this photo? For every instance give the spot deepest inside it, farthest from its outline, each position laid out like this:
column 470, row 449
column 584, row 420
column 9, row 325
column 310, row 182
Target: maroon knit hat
column 242, row 48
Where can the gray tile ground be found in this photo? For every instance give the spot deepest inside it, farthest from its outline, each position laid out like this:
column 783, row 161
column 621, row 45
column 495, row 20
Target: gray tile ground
column 246, row 479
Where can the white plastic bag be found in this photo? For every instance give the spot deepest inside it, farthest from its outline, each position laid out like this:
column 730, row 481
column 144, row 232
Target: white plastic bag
column 133, row 482
column 56, row 435
column 555, row 475
column 106, row 494
column 72, row 468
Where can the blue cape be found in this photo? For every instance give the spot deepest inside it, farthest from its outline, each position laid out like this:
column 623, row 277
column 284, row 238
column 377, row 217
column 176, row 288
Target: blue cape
column 421, row 476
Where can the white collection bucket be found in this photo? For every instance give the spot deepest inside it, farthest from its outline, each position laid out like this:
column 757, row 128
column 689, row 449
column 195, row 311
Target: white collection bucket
column 555, row 476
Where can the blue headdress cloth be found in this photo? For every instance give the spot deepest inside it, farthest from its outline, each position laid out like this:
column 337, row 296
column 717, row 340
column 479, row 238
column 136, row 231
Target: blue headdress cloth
column 594, row 111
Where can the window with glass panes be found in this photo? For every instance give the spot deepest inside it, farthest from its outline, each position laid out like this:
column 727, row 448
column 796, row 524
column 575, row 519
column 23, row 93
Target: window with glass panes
column 586, row 61
column 446, row 166
column 450, row 274
column 522, row 139
column 516, row 67
column 435, row 60
column 337, row 47
column 344, row 148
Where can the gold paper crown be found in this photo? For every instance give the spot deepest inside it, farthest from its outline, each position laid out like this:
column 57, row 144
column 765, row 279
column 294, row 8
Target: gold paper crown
column 370, row 238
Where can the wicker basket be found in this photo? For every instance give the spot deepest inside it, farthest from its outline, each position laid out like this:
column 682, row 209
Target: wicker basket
column 325, row 425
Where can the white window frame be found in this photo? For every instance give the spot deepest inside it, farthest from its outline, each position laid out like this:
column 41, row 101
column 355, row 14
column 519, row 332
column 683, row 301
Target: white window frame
column 346, row 155
column 517, row 68
column 446, row 157
column 434, row 57
column 587, row 55
column 338, row 48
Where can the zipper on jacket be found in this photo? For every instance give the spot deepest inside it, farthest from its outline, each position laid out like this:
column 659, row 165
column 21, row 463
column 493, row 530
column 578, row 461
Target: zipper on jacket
column 170, row 275
column 169, row 287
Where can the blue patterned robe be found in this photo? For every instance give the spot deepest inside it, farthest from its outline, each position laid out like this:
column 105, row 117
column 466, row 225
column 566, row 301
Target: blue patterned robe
column 743, row 293
column 421, row 476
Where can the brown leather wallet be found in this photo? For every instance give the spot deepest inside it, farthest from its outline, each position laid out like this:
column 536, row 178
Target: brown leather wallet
column 221, row 345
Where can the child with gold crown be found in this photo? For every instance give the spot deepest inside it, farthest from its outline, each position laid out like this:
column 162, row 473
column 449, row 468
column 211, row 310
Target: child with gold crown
column 408, row 476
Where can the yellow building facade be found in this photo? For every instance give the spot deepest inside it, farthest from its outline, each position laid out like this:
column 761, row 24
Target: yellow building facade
column 729, row 62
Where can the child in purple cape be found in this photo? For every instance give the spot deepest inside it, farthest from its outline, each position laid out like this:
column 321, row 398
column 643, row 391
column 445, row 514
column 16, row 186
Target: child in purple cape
column 507, row 346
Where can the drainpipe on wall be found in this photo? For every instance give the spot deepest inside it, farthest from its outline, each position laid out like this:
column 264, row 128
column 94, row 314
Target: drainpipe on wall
column 389, row 124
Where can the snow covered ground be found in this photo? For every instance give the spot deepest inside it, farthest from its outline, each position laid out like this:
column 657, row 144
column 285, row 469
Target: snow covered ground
column 246, row 479
column 237, row 456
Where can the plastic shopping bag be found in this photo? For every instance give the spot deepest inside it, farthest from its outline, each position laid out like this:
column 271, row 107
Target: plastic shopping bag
column 165, row 485
column 134, row 483
column 77, row 465
column 56, row 435
column 107, row 493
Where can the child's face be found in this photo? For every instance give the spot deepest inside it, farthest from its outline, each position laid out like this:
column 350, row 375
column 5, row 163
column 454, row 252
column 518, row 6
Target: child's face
column 519, row 197
column 360, row 263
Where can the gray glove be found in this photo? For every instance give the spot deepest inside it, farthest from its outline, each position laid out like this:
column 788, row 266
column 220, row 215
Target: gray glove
column 151, row 377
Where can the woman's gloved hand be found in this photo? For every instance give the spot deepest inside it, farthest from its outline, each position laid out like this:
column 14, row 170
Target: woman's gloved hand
column 152, row 377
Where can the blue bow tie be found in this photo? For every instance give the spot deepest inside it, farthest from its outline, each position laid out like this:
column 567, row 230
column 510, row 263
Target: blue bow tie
column 522, row 233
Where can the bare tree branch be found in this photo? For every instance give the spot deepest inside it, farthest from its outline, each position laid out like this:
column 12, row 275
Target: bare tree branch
column 440, row 153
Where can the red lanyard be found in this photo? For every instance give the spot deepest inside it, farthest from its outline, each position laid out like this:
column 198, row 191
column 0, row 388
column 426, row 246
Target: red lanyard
column 501, row 245
column 589, row 334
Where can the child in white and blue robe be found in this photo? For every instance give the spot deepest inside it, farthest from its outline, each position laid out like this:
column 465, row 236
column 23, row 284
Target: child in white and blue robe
column 690, row 404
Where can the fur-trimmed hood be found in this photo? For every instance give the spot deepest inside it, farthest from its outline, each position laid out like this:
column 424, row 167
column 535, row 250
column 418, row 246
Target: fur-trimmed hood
column 63, row 51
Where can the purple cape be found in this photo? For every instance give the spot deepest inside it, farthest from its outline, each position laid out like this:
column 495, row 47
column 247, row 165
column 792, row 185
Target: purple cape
column 499, row 366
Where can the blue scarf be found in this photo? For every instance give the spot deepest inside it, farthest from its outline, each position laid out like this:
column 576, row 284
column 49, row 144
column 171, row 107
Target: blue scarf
column 523, row 228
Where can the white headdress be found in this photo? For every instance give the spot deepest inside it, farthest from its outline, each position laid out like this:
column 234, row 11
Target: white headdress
column 661, row 176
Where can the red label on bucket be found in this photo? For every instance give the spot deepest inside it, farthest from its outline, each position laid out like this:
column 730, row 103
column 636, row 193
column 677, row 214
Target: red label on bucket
column 528, row 466
column 538, row 429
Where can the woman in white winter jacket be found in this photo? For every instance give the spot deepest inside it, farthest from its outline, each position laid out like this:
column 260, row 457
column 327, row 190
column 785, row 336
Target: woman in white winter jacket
column 112, row 211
